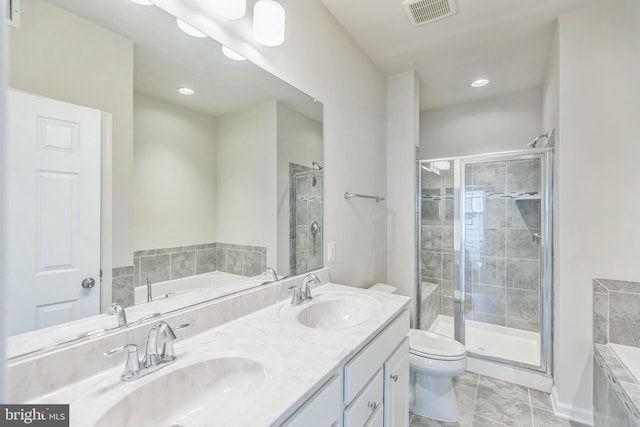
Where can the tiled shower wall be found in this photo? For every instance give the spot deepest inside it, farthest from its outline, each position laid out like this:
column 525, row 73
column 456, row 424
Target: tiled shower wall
column 174, row 263
column 306, row 207
column 615, row 312
column 502, row 257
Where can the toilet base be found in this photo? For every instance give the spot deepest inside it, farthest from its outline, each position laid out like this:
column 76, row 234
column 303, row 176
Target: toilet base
column 433, row 397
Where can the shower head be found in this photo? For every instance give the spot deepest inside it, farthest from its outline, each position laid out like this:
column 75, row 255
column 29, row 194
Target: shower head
column 317, row 165
column 533, row 143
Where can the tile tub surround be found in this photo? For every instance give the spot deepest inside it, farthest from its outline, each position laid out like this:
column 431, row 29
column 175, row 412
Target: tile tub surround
column 621, row 384
column 122, row 279
column 37, row 375
column 615, row 312
column 164, row 264
column 430, row 304
column 284, row 347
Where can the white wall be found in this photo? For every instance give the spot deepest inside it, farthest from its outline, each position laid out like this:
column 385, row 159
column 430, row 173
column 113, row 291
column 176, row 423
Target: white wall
column 174, row 175
column 403, row 94
column 321, row 59
column 61, row 56
column 3, row 214
column 299, row 140
column 497, row 124
column 599, row 150
column 246, row 177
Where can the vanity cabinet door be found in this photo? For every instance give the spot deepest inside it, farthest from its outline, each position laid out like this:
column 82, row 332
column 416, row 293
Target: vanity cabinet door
column 396, row 387
column 377, row 419
column 324, row 409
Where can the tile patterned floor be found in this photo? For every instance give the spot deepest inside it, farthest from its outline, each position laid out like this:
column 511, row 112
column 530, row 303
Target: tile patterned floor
column 487, row 402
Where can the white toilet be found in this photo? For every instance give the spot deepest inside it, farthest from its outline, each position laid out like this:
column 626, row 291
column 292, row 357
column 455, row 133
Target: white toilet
column 434, row 360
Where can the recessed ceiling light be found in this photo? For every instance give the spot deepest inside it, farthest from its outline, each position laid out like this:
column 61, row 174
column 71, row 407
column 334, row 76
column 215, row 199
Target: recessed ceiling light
column 232, row 54
column 185, row 91
column 268, row 23
column 480, row 83
column 143, row 2
column 189, row 29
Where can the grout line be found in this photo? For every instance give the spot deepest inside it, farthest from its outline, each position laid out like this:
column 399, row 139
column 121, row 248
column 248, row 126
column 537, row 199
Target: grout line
column 530, row 406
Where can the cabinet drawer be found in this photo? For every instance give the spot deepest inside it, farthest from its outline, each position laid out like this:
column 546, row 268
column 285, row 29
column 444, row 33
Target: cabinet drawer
column 361, row 368
column 322, row 410
column 366, row 404
column 377, row 419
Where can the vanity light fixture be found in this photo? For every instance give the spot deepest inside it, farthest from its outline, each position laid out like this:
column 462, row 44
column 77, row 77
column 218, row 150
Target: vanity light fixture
column 185, row 91
column 232, row 54
column 189, row 29
column 268, row 23
column 230, row 9
column 143, row 2
column 480, row 83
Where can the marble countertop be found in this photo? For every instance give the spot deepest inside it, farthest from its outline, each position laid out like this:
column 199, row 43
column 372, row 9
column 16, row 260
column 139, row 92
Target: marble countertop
column 297, row 361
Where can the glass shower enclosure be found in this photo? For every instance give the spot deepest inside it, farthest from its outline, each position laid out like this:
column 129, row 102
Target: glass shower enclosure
column 484, row 251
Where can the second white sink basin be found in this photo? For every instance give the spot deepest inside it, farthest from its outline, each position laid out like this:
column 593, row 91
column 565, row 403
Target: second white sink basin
column 337, row 310
column 196, row 395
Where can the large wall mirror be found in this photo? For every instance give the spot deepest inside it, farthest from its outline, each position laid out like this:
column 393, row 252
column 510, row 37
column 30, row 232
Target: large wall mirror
column 205, row 191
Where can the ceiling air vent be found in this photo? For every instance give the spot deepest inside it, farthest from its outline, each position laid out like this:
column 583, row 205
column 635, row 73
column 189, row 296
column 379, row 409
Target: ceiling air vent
column 425, row 11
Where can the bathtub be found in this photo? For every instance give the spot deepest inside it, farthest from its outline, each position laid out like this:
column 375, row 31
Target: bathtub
column 213, row 284
column 629, row 357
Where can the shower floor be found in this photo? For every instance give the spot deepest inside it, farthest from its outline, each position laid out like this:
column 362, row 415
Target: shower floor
column 495, row 341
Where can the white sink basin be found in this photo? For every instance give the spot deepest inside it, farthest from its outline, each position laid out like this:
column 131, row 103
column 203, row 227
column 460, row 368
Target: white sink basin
column 216, row 389
column 336, row 310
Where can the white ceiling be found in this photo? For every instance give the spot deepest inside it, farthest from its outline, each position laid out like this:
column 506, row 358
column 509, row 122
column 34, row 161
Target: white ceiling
column 506, row 41
column 165, row 58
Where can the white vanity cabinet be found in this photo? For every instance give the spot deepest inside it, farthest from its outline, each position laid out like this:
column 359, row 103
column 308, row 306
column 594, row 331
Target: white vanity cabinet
column 368, row 396
column 324, row 409
column 396, row 387
column 374, row 388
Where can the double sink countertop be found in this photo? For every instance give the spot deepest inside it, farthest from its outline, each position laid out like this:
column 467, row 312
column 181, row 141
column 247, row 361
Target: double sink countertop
column 254, row 371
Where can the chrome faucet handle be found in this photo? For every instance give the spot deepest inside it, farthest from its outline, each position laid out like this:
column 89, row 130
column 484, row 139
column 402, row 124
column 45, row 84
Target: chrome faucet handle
column 117, row 310
column 132, row 365
column 297, row 296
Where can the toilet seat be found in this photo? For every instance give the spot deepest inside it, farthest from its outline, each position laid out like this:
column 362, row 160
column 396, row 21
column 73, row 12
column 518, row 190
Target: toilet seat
column 435, row 346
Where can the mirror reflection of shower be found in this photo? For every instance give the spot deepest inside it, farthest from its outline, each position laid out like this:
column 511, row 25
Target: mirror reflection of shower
column 306, row 216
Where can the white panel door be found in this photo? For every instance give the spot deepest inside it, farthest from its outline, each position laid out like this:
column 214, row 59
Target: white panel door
column 53, row 208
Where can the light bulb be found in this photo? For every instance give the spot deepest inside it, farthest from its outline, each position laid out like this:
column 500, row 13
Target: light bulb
column 268, row 23
column 185, row 91
column 232, row 54
column 230, row 9
column 480, row 83
column 189, row 29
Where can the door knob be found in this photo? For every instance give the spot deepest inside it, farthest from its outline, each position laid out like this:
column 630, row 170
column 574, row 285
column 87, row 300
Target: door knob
column 88, row 283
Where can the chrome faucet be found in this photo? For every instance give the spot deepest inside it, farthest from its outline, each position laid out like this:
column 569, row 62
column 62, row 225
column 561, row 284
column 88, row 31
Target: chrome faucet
column 117, row 310
column 273, row 273
column 302, row 293
column 306, row 287
column 159, row 352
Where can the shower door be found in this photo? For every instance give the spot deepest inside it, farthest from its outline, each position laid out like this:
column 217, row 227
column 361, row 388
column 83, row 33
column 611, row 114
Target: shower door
column 485, row 250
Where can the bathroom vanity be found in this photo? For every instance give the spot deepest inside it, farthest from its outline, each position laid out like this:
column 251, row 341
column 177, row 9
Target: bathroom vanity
column 338, row 359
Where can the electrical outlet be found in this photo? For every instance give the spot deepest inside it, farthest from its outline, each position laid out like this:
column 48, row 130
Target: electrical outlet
column 331, row 251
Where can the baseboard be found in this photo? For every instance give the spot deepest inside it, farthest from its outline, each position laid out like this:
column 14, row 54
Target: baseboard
column 568, row 412
column 510, row 374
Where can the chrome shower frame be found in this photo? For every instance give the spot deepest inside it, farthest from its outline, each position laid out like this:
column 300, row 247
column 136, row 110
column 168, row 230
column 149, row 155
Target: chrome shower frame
column 546, row 247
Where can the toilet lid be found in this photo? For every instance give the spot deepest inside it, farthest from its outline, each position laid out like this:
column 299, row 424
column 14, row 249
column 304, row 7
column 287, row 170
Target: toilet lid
column 433, row 344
